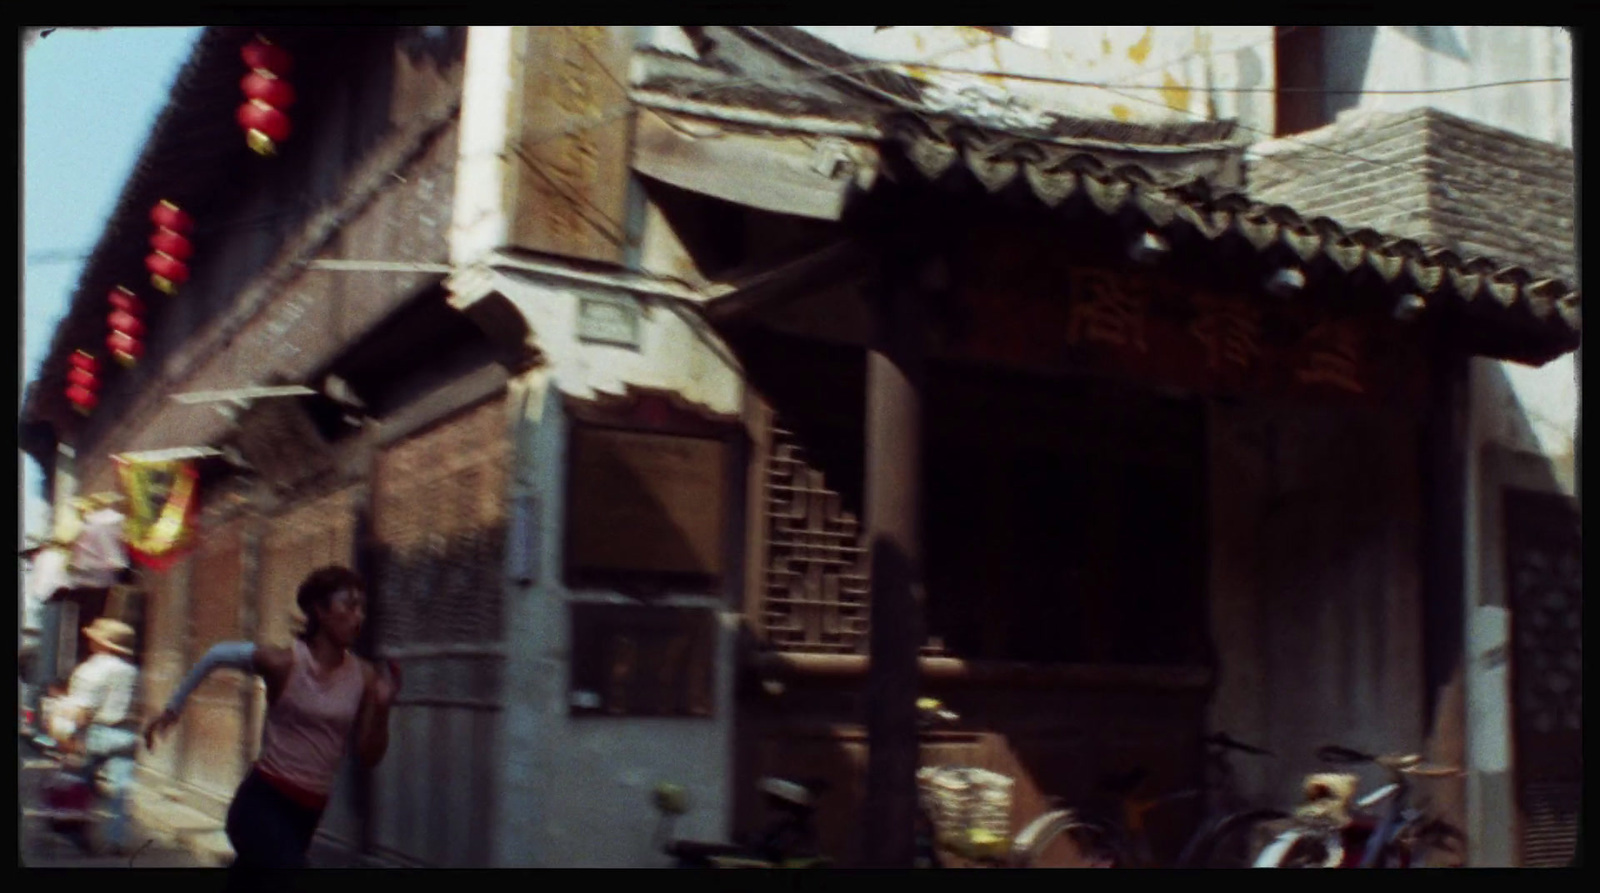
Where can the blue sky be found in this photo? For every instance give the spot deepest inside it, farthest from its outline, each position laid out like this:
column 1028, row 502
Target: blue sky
column 89, row 97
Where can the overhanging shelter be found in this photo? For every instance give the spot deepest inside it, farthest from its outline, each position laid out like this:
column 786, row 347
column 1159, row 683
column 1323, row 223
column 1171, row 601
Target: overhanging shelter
column 966, row 276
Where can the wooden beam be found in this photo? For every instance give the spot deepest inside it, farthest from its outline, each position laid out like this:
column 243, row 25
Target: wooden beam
column 785, row 174
column 771, row 288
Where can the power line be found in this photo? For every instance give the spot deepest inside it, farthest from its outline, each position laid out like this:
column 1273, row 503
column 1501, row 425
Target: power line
column 64, row 256
column 1465, row 196
column 1069, row 82
column 1198, row 52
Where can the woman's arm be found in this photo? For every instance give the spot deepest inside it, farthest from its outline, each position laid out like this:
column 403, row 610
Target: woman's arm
column 270, row 663
column 372, row 723
column 229, row 655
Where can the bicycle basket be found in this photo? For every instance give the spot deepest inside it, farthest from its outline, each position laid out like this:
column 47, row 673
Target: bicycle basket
column 962, row 800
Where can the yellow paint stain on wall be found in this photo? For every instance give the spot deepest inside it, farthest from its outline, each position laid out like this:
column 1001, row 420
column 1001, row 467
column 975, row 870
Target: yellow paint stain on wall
column 1105, row 45
column 1121, row 113
column 1174, row 94
column 1141, row 50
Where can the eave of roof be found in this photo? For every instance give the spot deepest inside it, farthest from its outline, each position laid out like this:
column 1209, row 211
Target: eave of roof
column 1547, row 309
column 192, row 157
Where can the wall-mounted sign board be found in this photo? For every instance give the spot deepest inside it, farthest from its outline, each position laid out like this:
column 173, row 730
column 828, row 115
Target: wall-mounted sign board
column 647, row 494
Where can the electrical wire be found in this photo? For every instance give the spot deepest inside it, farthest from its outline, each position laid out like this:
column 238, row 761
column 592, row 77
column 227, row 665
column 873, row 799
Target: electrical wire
column 1318, row 91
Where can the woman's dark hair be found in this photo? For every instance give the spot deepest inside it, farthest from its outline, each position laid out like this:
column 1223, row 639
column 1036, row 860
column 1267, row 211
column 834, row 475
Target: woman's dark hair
column 318, row 589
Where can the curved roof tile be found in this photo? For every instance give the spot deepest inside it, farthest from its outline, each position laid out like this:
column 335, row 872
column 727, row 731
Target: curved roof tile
column 1053, row 174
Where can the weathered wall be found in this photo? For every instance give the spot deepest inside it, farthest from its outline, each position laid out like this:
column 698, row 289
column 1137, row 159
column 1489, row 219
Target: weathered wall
column 1315, row 582
column 1431, row 57
column 576, row 792
column 1148, row 73
column 1459, row 183
column 1522, row 430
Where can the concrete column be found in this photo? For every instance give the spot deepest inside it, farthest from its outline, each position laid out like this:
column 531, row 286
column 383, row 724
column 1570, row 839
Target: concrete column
column 893, row 518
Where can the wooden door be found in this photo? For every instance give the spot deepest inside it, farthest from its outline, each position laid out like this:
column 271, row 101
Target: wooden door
column 214, row 719
column 439, row 516
column 1544, row 582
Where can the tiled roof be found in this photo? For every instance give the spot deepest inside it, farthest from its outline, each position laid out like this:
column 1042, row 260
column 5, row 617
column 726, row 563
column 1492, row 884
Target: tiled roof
column 1544, row 312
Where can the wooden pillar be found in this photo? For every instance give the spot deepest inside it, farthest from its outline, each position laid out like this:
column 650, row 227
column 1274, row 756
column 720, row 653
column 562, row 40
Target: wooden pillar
column 893, row 481
column 1444, row 466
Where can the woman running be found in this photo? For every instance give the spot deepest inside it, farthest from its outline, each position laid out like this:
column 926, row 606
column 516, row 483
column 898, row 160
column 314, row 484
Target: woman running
column 317, row 692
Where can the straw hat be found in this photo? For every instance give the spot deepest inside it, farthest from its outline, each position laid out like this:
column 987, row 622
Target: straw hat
column 113, row 635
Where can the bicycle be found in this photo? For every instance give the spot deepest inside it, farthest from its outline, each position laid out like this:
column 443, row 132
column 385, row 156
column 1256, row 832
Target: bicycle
column 1326, row 834
column 1225, row 839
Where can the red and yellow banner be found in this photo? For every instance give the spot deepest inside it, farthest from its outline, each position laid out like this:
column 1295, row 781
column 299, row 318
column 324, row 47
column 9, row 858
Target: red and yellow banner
column 163, row 504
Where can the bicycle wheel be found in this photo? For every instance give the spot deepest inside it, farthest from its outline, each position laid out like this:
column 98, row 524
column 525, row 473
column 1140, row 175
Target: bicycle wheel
column 1235, row 840
column 1301, row 848
column 1064, row 839
column 1437, row 844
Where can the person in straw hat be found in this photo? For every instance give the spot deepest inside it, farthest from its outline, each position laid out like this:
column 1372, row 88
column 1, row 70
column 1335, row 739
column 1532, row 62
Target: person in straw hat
column 321, row 700
column 98, row 714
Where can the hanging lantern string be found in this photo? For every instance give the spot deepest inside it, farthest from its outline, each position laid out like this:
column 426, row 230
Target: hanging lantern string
column 267, row 95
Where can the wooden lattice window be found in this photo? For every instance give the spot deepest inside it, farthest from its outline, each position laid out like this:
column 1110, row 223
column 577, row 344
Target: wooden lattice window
column 816, row 584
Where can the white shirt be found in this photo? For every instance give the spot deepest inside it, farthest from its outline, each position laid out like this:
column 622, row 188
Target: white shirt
column 106, row 685
column 98, row 552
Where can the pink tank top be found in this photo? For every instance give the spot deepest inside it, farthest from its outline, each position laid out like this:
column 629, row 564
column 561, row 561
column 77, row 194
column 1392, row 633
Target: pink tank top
column 308, row 728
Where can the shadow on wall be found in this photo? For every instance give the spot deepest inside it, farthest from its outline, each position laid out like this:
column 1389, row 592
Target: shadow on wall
column 1440, row 39
column 1347, row 54
column 1527, row 762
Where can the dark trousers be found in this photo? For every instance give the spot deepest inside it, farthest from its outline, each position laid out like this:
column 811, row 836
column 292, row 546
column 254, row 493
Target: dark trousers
column 267, row 829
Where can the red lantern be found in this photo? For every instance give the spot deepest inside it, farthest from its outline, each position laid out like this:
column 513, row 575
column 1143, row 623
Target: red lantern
column 264, row 126
column 81, row 381
column 263, row 55
column 123, row 321
column 169, row 215
column 82, row 398
column 171, row 243
column 125, row 348
column 166, row 273
column 123, row 299
column 269, row 88
column 267, row 94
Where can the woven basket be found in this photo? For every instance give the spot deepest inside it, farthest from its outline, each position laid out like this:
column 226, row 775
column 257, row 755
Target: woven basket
column 961, row 799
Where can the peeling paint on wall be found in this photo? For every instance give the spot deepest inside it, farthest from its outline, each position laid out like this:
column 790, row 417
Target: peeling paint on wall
column 1174, row 94
column 1141, row 50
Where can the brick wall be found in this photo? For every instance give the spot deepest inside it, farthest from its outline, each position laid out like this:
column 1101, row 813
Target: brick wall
column 1437, row 178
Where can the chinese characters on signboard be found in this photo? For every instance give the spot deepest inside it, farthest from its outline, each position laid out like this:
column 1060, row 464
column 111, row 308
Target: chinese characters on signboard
column 1150, row 327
